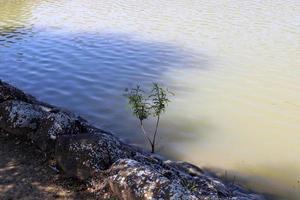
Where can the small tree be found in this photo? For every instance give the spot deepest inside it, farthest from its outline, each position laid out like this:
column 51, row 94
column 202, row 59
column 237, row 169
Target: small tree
column 144, row 105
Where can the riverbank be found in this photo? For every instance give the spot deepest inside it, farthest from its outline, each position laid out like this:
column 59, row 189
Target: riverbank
column 25, row 173
column 111, row 168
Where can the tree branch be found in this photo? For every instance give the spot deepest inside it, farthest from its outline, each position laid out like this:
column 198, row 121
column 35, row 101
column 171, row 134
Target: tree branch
column 145, row 133
column 154, row 137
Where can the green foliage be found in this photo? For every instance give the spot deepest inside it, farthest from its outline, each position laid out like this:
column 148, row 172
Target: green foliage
column 192, row 186
column 159, row 97
column 138, row 102
column 144, row 105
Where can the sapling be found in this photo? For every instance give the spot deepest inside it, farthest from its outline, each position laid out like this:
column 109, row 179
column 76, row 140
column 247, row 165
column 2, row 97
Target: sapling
column 144, row 105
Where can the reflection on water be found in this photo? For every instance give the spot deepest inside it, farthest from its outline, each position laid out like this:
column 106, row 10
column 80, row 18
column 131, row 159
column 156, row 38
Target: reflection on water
column 13, row 15
column 234, row 66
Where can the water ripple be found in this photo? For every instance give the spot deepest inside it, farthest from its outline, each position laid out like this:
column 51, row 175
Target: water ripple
column 87, row 73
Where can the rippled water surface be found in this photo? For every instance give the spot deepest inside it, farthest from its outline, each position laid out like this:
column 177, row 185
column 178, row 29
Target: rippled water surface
column 234, row 66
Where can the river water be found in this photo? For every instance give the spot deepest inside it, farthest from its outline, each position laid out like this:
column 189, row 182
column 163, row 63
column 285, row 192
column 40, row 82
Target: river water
column 234, row 67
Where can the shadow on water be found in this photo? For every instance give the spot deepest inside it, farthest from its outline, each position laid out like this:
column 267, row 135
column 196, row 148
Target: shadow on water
column 11, row 35
column 88, row 72
column 85, row 72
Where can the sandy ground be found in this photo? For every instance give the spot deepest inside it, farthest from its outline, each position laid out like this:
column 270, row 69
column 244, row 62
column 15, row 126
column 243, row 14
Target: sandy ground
column 26, row 174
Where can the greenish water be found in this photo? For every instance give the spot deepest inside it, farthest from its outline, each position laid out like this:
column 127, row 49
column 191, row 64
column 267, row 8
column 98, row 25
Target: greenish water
column 234, row 66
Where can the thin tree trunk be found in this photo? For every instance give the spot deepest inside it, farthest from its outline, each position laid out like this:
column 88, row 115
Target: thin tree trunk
column 145, row 134
column 154, row 137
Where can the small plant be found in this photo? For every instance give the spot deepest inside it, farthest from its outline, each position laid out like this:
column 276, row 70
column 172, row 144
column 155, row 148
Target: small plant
column 144, row 105
column 191, row 185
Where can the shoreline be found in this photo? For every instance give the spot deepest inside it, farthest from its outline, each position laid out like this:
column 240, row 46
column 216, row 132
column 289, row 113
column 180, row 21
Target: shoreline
column 113, row 168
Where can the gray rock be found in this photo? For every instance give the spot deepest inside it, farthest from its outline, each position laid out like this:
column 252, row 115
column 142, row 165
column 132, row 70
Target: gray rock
column 20, row 118
column 54, row 125
column 129, row 179
column 81, row 156
column 42, row 125
column 185, row 167
column 187, row 175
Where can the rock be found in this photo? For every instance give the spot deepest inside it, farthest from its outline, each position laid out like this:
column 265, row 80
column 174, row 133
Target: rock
column 189, row 176
column 41, row 125
column 143, row 177
column 9, row 92
column 129, row 179
column 185, row 167
column 83, row 155
column 20, row 118
column 52, row 126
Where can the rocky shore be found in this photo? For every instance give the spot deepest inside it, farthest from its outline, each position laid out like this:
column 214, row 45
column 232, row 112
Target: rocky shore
column 115, row 169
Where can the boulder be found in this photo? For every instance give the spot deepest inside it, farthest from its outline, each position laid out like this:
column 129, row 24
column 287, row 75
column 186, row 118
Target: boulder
column 20, row 118
column 40, row 124
column 184, row 167
column 189, row 176
column 52, row 126
column 129, row 179
column 81, row 156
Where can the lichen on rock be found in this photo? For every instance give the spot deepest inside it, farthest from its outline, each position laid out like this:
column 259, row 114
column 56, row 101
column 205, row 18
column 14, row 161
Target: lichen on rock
column 130, row 179
column 19, row 117
column 83, row 155
column 54, row 125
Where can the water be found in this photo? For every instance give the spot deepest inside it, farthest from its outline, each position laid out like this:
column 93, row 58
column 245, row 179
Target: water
column 234, row 66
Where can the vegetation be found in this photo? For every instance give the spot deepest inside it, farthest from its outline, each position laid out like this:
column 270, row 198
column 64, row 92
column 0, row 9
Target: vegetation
column 144, row 105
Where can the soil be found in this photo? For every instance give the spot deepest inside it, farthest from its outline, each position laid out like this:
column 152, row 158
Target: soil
column 26, row 174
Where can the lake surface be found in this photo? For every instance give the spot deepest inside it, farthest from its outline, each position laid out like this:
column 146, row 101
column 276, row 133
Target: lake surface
column 233, row 65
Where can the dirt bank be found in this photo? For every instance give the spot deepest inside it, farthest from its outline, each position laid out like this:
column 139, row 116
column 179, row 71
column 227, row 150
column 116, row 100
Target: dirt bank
column 26, row 174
